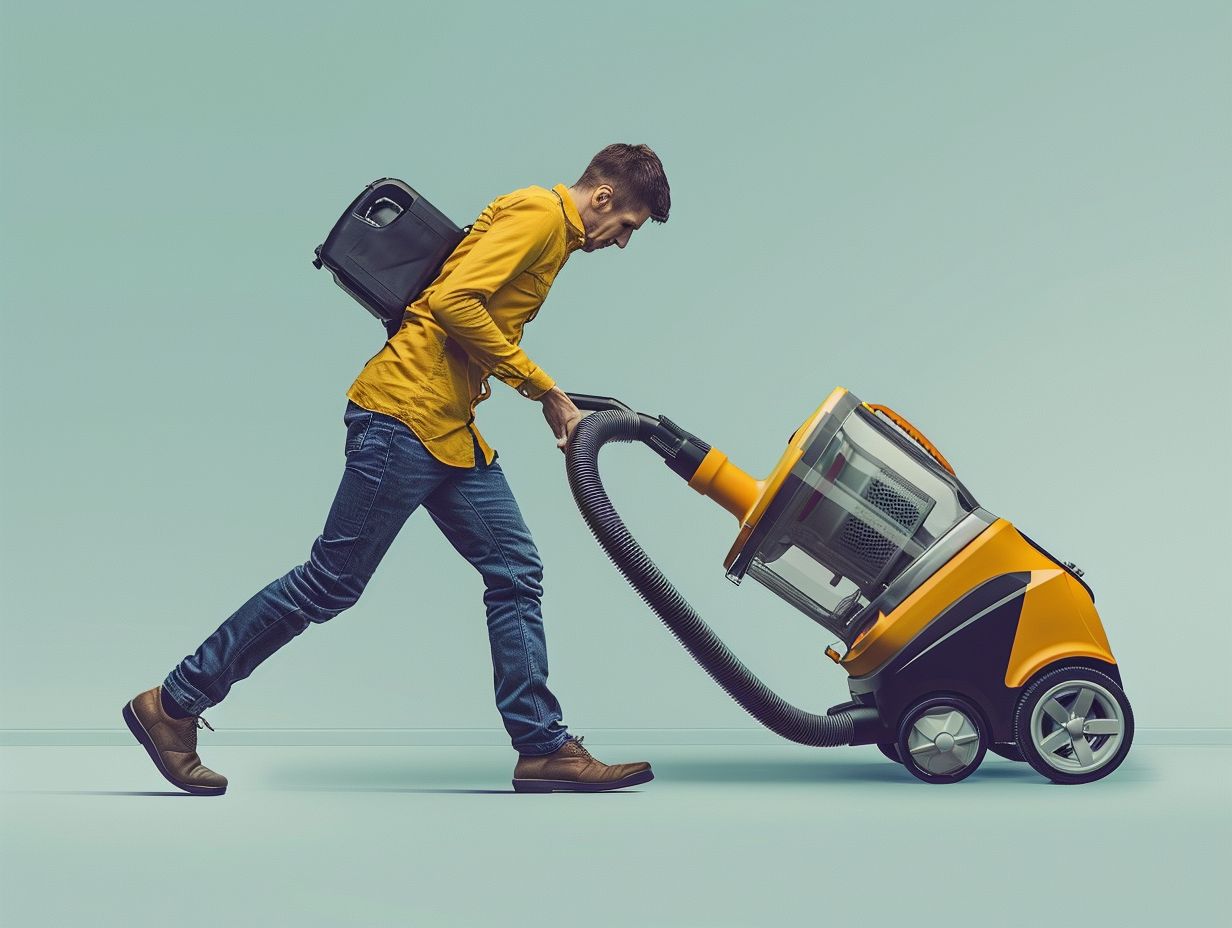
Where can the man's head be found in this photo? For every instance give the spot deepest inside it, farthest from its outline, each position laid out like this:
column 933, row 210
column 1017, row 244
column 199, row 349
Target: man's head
column 622, row 187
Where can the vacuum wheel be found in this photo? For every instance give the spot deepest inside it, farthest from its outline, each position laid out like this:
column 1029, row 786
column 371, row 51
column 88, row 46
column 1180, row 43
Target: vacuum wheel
column 1009, row 750
column 942, row 739
column 1074, row 725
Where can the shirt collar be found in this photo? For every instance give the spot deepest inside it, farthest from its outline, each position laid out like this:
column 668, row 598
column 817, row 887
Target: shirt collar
column 576, row 230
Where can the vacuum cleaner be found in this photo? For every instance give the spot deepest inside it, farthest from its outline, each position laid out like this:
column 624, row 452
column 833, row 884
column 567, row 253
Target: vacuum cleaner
column 958, row 633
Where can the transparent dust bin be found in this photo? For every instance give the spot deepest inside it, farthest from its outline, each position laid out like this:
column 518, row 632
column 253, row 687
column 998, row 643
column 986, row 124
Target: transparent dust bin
column 862, row 502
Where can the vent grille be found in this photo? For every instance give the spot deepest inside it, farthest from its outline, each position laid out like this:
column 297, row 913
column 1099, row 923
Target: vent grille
column 899, row 504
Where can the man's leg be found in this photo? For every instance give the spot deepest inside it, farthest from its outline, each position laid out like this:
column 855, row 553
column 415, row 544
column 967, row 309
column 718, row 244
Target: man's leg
column 388, row 474
column 476, row 511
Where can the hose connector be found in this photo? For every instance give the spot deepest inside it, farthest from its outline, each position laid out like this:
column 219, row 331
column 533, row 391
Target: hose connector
column 725, row 483
column 682, row 451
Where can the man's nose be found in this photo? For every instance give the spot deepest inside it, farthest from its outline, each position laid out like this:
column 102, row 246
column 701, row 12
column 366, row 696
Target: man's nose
column 623, row 240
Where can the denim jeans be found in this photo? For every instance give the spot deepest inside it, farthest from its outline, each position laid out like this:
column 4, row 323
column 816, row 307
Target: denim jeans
column 388, row 474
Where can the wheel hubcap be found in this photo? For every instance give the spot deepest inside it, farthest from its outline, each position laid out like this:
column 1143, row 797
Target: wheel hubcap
column 943, row 741
column 1077, row 726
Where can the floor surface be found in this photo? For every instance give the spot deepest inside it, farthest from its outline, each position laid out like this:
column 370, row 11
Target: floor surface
column 731, row 835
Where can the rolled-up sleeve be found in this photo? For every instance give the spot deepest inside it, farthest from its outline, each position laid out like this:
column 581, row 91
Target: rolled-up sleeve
column 517, row 237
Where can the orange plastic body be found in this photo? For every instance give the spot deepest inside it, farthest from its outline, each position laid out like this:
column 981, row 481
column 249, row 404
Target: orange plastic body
column 1058, row 619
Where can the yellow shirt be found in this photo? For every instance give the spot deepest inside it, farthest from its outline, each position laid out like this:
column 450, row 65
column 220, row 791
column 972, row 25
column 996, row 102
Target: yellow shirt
column 465, row 327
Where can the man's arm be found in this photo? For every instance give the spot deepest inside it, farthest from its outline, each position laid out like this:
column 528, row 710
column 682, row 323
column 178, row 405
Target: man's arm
column 517, row 237
column 561, row 414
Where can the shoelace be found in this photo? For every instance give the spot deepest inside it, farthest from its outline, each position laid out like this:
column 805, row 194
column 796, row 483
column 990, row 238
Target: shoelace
column 578, row 741
column 198, row 722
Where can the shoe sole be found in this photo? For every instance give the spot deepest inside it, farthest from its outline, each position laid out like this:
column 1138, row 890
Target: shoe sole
column 143, row 737
column 576, row 786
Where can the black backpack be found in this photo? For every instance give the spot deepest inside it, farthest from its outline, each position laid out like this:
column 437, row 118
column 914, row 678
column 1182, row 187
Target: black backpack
column 387, row 247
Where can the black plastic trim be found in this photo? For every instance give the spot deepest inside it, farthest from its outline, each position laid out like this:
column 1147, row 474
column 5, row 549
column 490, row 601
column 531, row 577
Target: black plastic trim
column 963, row 650
column 1038, row 547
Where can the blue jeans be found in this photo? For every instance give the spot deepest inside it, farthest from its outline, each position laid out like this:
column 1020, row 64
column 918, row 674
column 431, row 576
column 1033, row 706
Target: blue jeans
column 388, row 474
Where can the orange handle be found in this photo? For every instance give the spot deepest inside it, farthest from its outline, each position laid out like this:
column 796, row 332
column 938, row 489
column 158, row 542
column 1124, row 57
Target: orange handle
column 914, row 433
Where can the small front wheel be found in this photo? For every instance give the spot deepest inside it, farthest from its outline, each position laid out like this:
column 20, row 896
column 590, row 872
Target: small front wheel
column 942, row 739
column 1074, row 725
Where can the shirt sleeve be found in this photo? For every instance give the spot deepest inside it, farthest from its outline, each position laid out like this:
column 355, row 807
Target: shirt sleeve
column 516, row 238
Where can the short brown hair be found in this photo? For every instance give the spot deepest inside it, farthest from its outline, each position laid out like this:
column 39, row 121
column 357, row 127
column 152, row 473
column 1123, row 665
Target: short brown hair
column 635, row 171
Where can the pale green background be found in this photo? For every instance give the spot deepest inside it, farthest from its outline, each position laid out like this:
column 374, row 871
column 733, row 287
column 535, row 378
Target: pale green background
column 1010, row 222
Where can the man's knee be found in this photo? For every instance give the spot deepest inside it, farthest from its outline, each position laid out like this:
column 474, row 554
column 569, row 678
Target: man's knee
column 520, row 571
column 319, row 595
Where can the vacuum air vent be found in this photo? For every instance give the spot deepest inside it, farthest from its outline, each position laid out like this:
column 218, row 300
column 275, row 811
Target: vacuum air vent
column 901, row 507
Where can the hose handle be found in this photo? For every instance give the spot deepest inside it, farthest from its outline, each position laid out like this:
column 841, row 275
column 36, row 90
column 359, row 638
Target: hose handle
column 591, row 403
column 915, row 434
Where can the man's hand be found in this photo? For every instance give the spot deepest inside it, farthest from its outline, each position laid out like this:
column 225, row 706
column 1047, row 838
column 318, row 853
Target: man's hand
column 561, row 414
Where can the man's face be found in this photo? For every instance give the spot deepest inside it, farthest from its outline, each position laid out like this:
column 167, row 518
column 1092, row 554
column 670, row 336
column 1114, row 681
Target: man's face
column 609, row 222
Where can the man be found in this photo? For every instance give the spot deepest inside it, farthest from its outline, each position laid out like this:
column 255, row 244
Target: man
column 411, row 441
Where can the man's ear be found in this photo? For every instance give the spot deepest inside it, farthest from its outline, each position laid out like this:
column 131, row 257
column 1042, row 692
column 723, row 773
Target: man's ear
column 601, row 198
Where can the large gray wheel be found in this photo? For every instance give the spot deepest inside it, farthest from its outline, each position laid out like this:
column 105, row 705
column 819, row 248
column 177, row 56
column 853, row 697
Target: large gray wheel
column 1074, row 725
column 942, row 739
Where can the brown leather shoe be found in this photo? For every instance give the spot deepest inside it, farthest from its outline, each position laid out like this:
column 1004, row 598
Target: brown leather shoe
column 172, row 744
column 572, row 768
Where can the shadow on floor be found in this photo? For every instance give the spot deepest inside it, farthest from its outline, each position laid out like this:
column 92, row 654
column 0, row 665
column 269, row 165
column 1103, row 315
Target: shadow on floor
column 837, row 770
column 358, row 776
column 343, row 788
column 103, row 792
column 346, row 788
column 349, row 788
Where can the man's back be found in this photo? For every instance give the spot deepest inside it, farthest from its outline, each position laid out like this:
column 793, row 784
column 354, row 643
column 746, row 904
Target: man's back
column 466, row 326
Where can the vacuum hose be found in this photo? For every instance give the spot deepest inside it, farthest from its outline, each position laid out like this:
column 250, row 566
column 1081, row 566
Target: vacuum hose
column 622, row 424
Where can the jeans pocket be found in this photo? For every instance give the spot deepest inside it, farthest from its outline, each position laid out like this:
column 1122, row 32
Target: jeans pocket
column 357, row 423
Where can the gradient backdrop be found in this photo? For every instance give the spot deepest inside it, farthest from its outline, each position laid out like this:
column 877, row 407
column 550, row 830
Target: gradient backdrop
column 1009, row 222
